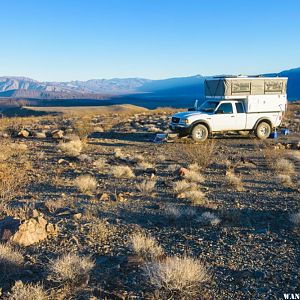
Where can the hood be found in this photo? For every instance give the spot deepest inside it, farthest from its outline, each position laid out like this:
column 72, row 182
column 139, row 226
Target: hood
column 187, row 114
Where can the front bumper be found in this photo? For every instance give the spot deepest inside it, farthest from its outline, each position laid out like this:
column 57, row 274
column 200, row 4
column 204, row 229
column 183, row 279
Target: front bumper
column 182, row 130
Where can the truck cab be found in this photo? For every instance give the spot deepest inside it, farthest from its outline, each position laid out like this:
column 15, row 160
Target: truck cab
column 257, row 113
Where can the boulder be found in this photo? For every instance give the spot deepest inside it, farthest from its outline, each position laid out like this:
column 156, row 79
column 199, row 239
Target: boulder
column 23, row 133
column 57, row 134
column 28, row 232
column 183, row 172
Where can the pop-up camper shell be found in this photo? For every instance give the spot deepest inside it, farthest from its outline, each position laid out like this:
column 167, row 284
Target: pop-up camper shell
column 259, row 94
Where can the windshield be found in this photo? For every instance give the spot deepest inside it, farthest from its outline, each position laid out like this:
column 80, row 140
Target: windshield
column 209, row 106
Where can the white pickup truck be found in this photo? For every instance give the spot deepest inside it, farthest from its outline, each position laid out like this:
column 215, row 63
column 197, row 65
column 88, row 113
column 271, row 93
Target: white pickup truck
column 242, row 104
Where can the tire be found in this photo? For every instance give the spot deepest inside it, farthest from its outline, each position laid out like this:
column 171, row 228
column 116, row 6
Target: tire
column 263, row 130
column 199, row 133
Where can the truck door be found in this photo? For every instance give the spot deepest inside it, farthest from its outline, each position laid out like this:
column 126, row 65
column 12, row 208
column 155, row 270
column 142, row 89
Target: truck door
column 240, row 116
column 224, row 117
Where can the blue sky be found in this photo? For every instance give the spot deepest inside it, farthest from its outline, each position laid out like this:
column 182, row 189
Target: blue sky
column 82, row 39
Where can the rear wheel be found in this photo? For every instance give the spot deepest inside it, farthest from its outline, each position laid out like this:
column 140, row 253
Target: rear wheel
column 263, row 130
column 199, row 133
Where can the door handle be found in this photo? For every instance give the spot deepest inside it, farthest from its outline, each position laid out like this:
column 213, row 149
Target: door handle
column 232, row 116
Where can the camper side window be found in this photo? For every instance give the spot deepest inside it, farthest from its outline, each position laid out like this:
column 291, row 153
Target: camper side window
column 239, row 108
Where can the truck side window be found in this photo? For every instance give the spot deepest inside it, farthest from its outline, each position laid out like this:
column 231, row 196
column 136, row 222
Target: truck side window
column 239, row 108
column 226, row 108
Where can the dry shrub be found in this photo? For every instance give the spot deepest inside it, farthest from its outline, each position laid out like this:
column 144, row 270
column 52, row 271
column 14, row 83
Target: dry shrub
column 177, row 277
column 72, row 148
column 71, row 268
column 284, row 166
column 234, row 181
column 11, row 260
column 21, row 291
column 285, row 180
column 201, row 154
column 122, row 172
column 183, row 186
column 295, row 219
column 146, row 186
column 54, row 205
column 12, row 180
column 196, row 197
column 295, row 154
column 193, row 176
column 146, row 246
column 209, row 218
column 87, row 184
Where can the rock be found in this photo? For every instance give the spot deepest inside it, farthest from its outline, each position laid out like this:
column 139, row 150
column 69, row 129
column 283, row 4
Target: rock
column 40, row 135
column 28, row 232
column 77, row 216
column 104, row 197
column 183, row 172
column 57, row 134
column 23, row 133
column 121, row 198
column 85, row 157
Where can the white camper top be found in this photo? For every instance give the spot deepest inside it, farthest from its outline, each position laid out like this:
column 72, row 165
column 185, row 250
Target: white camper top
column 240, row 87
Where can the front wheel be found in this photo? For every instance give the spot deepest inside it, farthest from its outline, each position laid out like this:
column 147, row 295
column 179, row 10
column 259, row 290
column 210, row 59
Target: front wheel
column 263, row 130
column 199, row 133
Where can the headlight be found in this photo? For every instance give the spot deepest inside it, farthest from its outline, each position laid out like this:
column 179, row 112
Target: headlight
column 185, row 121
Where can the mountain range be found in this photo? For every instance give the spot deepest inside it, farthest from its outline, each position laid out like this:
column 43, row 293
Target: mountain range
column 120, row 90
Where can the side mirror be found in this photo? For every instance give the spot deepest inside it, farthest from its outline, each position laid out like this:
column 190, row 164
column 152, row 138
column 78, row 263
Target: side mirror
column 219, row 111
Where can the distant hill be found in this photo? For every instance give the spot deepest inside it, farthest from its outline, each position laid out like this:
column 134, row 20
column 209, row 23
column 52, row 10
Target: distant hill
column 181, row 91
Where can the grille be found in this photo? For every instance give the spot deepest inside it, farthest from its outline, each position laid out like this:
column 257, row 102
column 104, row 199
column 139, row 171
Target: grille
column 175, row 120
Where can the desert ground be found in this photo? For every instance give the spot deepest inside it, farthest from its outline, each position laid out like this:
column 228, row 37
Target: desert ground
column 92, row 208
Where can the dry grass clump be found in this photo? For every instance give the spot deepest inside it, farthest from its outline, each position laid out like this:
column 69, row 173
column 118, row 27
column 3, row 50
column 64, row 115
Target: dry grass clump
column 174, row 213
column 118, row 154
column 146, row 186
column 54, row 205
column 196, row 197
column 71, row 268
column 99, row 231
column 11, row 260
column 209, row 218
column 285, row 167
column 83, row 127
column 295, row 219
column 137, row 158
column 144, row 165
column 173, row 168
column 285, row 180
column 12, row 180
column 194, row 167
column 72, row 148
column 122, row 172
column 183, row 186
column 21, row 291
column 176, row 276
column 146, row 246
column 87, row 184
column 100, row 164
column 194, row 176
column 234, row 181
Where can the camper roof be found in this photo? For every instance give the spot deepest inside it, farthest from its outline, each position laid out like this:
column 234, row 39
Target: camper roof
column 244, row 86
